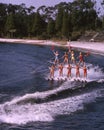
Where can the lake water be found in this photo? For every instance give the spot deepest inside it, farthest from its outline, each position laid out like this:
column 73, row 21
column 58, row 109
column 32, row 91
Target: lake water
column 28, row 101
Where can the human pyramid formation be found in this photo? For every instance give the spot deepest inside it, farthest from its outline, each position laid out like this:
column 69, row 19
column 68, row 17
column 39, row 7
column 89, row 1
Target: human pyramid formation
column 70, row 65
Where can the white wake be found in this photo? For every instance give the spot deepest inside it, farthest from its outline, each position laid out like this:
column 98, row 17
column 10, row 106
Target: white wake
column 15, row 113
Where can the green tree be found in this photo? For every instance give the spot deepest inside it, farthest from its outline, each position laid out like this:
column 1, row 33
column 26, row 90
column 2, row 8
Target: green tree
column 59, row 20
column 65, row 25
column 91, row 19
column 9, row 26
column 83, row 14
column 21, row 21
column 102, row 12
column 51, row 28
column 39, row 25
column 63, row 20
column 3, row 14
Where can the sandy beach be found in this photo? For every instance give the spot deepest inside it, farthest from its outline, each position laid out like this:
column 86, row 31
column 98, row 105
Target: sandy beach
column 93, row 47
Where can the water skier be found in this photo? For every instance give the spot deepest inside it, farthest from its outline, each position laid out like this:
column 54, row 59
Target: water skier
column 69, row 70
column 60, row 67
column 85, row 71
column 77, row 71
column 66, row 60
column 81, row 60
column 72, row 57
column 56, row 61
column 52, row 69
column 69, row 49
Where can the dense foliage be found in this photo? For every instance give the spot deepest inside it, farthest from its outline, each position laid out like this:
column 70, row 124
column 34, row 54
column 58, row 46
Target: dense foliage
column 63, row 21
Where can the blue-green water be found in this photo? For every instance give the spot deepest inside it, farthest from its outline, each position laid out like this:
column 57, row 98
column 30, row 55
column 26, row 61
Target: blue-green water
column 29, row 102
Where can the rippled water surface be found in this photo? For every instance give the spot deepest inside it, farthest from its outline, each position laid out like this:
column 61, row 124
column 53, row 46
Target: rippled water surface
column 28, row 101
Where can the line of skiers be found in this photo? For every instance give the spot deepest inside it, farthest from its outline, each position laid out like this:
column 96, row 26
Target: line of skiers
column 70, row 65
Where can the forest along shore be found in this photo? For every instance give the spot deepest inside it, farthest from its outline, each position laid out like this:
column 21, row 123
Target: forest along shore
column 93, row 47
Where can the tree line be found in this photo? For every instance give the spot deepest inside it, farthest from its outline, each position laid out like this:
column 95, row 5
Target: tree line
column 62, row 21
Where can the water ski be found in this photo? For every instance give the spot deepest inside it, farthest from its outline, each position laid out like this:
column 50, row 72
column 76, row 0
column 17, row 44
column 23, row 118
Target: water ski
column 80, row 80
column 75, row 79
column 50, row 79
column 62, row 78
column 65, row 79
column 84, row 81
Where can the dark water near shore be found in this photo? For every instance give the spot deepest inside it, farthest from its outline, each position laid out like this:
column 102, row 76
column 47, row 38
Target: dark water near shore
column 29, row 102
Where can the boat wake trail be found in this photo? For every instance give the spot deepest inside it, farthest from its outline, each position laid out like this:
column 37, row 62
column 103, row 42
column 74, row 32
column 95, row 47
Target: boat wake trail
column 22, row 114
column 24, row 109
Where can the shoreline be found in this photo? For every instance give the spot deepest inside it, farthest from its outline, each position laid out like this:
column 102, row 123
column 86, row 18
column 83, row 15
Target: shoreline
column 93, row 47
